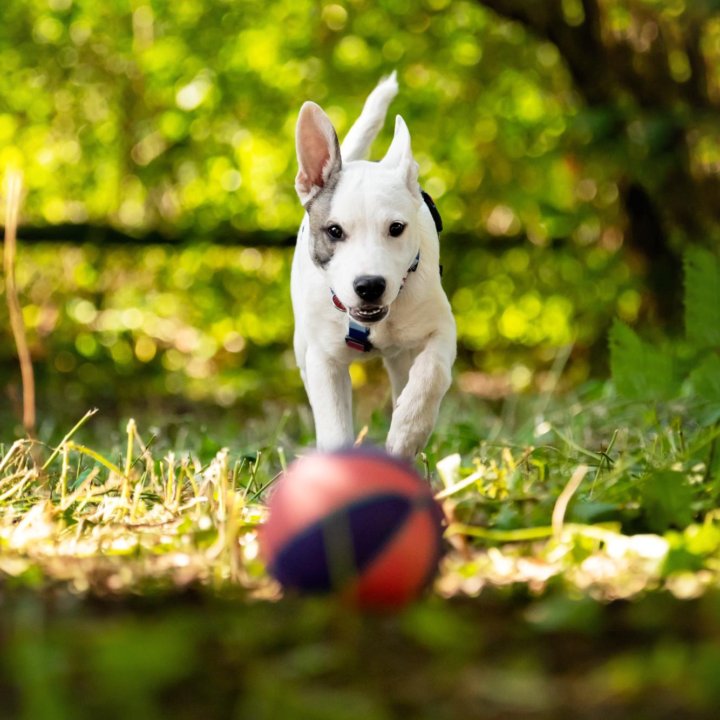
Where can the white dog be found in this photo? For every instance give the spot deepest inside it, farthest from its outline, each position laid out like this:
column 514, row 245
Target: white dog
column 365, row 277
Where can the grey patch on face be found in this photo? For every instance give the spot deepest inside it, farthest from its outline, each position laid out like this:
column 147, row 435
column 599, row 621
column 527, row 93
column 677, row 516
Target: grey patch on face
column 322, row 248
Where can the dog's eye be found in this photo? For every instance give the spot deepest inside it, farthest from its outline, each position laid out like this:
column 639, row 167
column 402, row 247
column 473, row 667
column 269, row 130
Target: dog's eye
column 335, row 232
column 396, row 229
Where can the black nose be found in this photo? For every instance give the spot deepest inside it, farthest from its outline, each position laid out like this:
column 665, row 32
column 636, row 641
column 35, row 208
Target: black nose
column 369, row 287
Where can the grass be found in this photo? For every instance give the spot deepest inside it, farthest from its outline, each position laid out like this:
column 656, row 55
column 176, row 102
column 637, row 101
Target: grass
column 598, row 495
column 107, row 524
column 581, row 531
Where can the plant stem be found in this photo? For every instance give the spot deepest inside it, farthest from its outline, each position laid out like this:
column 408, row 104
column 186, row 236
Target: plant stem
column 12, row 209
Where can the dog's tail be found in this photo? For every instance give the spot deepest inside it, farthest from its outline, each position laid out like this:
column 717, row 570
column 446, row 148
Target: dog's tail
column 356, row 144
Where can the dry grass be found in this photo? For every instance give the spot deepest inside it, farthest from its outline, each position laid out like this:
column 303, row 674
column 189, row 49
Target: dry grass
column 154, row 523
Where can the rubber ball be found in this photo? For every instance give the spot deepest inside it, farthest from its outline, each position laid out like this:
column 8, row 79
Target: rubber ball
column 356, row 522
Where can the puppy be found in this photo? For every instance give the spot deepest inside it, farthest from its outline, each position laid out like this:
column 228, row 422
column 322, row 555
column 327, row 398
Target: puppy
column 366, row 277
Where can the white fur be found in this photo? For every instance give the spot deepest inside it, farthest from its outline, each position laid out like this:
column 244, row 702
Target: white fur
column 357, row 142
column 417, row 337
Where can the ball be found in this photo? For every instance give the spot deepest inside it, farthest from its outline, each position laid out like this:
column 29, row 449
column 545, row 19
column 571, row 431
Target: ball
column 356, row 522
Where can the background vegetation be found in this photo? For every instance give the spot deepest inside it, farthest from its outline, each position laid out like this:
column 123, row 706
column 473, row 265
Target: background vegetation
column 570, row 146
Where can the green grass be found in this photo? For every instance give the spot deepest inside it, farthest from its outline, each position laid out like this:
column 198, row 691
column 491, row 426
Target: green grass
column 581, row 573
column 591, row 493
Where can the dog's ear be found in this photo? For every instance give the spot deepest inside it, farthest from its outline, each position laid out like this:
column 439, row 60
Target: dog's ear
column 318, row 151
column 399, row 156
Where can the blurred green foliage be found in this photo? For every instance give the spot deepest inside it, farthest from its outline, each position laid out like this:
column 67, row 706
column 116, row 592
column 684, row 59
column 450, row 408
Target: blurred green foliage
column 690, row 366
column 500, row 656
column 179, row 117
column 213, row 323
column 156, row 322
column 182, row 114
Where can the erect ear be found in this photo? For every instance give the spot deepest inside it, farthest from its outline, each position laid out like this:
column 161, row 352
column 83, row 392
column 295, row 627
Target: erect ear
column 399, row 156
column 318, row 151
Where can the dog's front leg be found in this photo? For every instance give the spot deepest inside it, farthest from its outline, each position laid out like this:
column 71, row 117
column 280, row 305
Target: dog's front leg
column 416, row 409
column 398, row 369
column 327, row 383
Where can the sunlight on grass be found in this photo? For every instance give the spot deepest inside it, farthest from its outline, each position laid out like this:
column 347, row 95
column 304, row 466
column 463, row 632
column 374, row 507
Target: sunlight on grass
column 155, row 523
column 555, row 516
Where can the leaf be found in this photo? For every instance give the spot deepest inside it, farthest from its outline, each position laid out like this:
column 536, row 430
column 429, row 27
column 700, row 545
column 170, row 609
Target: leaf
column 641, row 371
column 705, row 379
column 702, row 297
column 667, row 499
column 705, row 383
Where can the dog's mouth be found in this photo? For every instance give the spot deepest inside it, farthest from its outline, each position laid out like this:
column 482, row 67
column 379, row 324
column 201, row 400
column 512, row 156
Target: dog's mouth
column 369, row 313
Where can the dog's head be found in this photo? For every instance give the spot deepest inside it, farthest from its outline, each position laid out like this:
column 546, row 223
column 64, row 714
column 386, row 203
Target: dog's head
column 364, row 216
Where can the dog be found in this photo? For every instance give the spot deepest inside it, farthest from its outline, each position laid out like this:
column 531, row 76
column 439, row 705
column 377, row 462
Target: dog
column 365, row 278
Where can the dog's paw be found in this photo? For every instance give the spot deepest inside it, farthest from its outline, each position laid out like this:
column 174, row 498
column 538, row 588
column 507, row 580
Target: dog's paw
column 405, row 445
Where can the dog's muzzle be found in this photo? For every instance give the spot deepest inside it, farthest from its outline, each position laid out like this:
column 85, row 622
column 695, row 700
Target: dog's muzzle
column 367, row 313
column 370, row 289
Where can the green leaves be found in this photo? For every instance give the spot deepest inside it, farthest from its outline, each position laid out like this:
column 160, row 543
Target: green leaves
column 643, row 371
column 702, row 298
column 640, row 370
column 667, row 500
column 646, row 371
column 706, row 378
